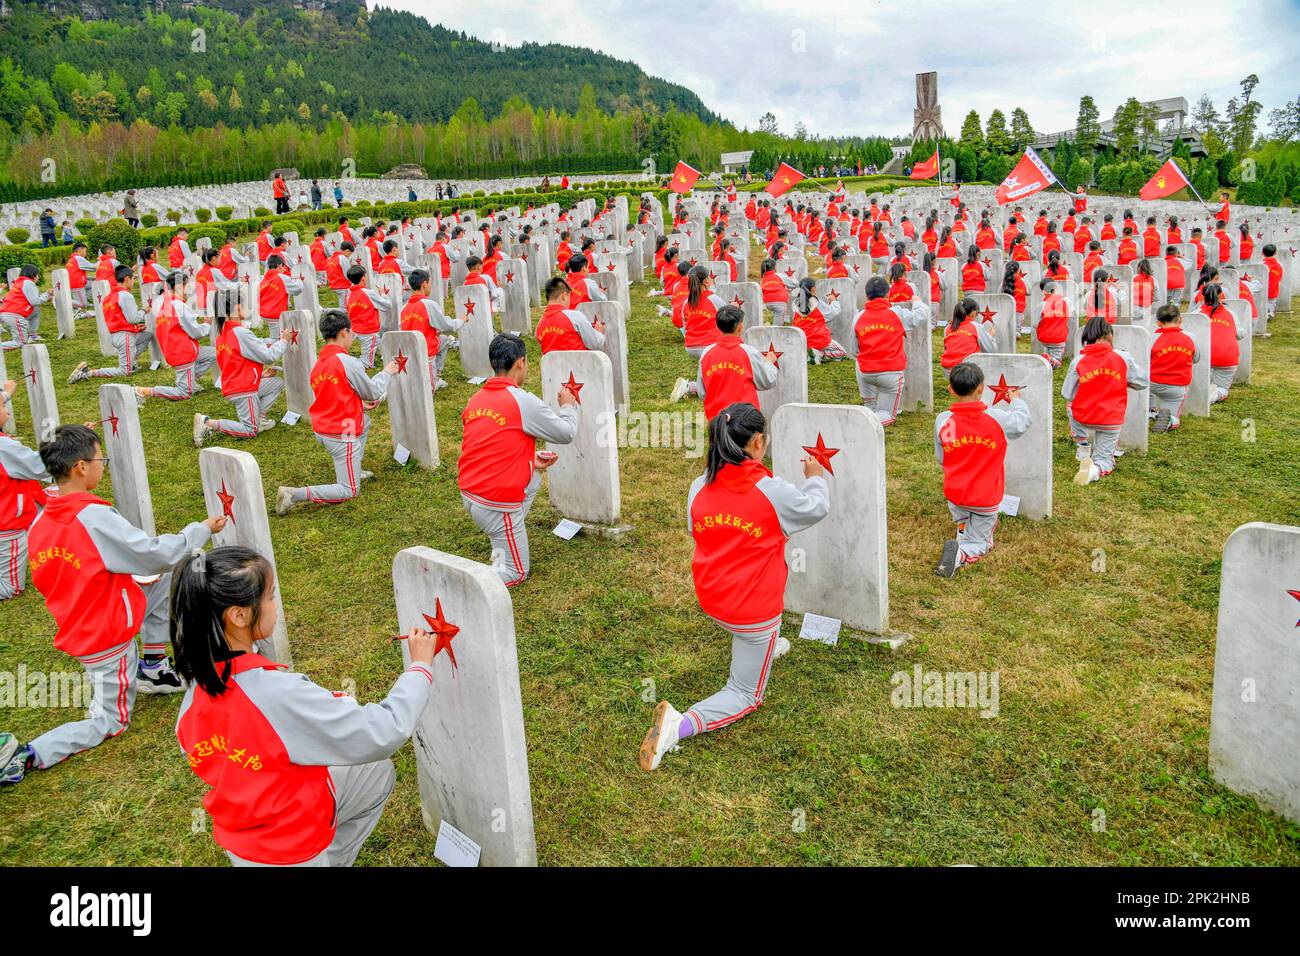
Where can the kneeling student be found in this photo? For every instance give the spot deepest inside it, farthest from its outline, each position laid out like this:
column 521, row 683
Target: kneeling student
column 731, row 371
column 340, row 418
column 1173, row 355
column 422, row 314
column 1096, row 398
column 22, row 495
column 970, row 442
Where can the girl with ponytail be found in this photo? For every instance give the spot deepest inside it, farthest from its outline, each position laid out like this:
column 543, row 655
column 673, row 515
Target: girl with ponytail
column 1055, row 270
column 974, row 273
column 1013, row 284
column 810, row 316
column 947, row 248
column 1104, row 298
column 900, row 256
column 1225, row 336
column 740, row 517
column 966, row 335
column 1096, row 398
column 299, row 775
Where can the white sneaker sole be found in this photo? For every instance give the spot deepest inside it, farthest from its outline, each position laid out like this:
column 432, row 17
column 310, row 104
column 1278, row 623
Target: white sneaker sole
column 654, row 746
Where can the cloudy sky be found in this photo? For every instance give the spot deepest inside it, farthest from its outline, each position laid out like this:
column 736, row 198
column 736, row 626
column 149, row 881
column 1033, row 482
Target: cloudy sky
column 847, row 66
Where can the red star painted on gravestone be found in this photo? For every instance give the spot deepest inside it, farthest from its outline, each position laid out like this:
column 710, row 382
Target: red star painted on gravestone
column 574, row 387
column 443, row 632
column 227, row 502
column 111, row 420
column 789, row 273
column 401, row 359
column 32, row 376
column 832, row 295
column 1296, row 595
column 689, row 233
column 987, row 314
column 857, row 269
column 694, row 261
column 738, row 302
column 609, row 267
column 772, row 355
column 1001, row 389
column 823, row 454
column 469, row 307
column 293, row 336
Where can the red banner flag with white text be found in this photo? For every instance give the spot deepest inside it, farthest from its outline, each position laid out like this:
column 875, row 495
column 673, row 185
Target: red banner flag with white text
column 684, row 177
column 928, row 169
column 1167, row 181
column 1031, row 175
column 786, row 178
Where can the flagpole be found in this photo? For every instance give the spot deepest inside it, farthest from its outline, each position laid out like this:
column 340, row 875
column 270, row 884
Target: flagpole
column 1189, row 184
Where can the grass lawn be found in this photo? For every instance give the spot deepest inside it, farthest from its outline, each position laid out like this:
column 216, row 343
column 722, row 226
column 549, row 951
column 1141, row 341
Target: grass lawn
column 1105, row 678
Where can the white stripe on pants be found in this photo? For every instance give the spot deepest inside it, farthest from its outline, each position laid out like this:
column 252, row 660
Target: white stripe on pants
column 507, row 533
column 347, row 455
column 974, row 530
column 112, row 676
column 752, row 648
column 882, row 392
column 1103, row 441
column 13, row 563
column 130, row 346
column 250, row 407
column 187, row 376
column 360, row 793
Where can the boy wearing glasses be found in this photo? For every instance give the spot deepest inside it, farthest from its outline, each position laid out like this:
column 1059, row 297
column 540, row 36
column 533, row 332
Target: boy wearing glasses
column 90, row 564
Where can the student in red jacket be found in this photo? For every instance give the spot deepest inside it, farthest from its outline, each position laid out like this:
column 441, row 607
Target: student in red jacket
column 1096, row 398
column 1053, row 324
column 1225, row 334
column 273, row 293
column 811, row 315
column 1151, row 239
column 80, row 271
column 299, row 774
column 878, row 342
column 1274, row 277
column 179, row 249
column 425, row 315
column 180, row 331
column 364, row 306
column 970, row 443
column 581, row 288
column 344, row 395
column 740, row 517
column 564, row 329
column 336, row 273
column 1176, row 275
column 1173, row 354
column 22, row 495
column 500, row 468
column 1245, row 244
column 20, row 309
column 85, row 558
column 730, row 370
column 242, row 358
column 974, row 274
column 126, row 325
column 965, row 335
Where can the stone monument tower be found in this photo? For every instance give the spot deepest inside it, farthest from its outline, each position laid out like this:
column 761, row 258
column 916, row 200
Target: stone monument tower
column 926, row 121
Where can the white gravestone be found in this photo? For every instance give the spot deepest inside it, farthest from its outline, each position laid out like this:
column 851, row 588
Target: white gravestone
column 1136, row 341
column 918, row 377
column 791, row 346
column 232, row 486
column 1003, row 308
column 99, row 289
column 1240, row 310
column 611, row 313
column 584, row 481
column 62, row 298
column 41, row 400
column 1028, row 464
column 470, row 749
column 1255, row 712
column 844, row 558
column 512, row 275
column 1198, row 402
column 746, row 296
column 473, row 306
column 123, row 440
column 410, row 396
column 299, row 359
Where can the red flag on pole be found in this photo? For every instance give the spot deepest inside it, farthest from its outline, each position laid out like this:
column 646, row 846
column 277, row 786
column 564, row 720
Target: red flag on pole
column 1167, row 181
column 1030, row 175
column 928, row 169
column 684, row 177
column 786, row 178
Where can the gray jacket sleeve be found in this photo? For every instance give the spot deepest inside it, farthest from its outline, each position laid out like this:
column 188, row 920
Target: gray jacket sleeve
column 586, row 331
column 21, row 463
column 438, row 318
column 256, row 350
column 319, row 729
column 188, row 320
column 32, row 294
column 130, row 311
column 128, row 550
column 797, row 508
column 988, row 341
column 539, row 421
column 940, row 420
column 367, row 388
column 764, row 371
column 1015, row 420
column 1133, row 374
column 1071, row 383
column 377, row 300
column 291, row 285
column 696, row 485
column 595, row 292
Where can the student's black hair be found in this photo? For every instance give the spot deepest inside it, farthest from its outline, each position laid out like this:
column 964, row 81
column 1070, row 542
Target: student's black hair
column 321, row 231
column 332, row 322
column 1151, row 220
column 174, row 279
column 554, row 286
column 147, row 253
column 878, row 288
column 972, row 254
column 1269, row 250
column 896, row 272
column 695, row 289
column 417, row 278
column 729, row 432
column 1099, row 277
column 1144, row 267
column 767, row 266
column 1096, row 329
column 357, row 275
column 670, row 254
column 963, row 311
column 577, row 262
column 210, row 255
column 122, row 273
column 279, row 241
column 928, row 262
column 471, row 262
column 1094, row 246
column 70, row 444
column 729, row 318
column 804, row 294
column 1009, row 277
column 1245, row 230
column 274, row 261
column 389, row 246
column 504, row 351
column 1167, row 313
column 1045, row 283
column 204, row 586
column 30, row 270
column 78, row 245
column 1213, row 296
column 346, row 246
column 966, row 379
column 1208, row 274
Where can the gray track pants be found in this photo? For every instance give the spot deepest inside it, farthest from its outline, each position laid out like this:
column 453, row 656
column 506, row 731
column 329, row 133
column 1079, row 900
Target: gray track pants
column 752, row 647
column 974, row 531
column 780, row 312
column 21, row 329
column 1221, row 381
column 360, row 794
column 369, row 348
column 130, row 346
column 882, row 392
column 347, row 457
column 506, row 532
column 1170, row 397
column 1103, row 440
column 13, row 563
column 251, row 408
column 187, row 376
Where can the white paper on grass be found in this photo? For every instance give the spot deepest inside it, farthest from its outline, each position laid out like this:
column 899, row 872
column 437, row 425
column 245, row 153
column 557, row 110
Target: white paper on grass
column 291, row 418
column 477, row 380
column 455, row 848
column 815, row 627
column 1010, row 505
column 401, row 454
column 154, row 366
column 566, row 529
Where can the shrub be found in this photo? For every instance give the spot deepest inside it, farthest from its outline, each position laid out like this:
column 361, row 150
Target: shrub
column 214, row 233
column 225, row 212
column 117, row 233
column 292, row 225
column 478, row 194
column 363, row 203
column 261, row 211
column 149, row 220
column 11, row 258
column 84, row 225
column 203, row 215
column 18, row 235
column 173, row 215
